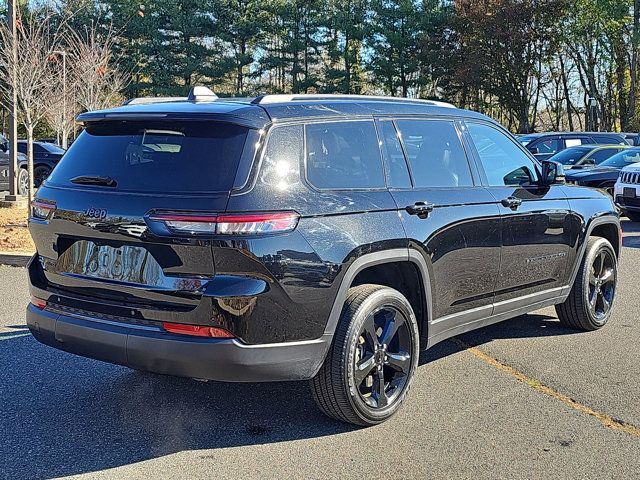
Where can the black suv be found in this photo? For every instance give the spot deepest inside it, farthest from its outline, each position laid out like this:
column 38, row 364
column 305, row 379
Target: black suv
column 329, row 238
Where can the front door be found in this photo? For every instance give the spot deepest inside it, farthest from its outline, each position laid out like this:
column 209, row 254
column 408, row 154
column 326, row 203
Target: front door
column 448, row 217
column 536, row 223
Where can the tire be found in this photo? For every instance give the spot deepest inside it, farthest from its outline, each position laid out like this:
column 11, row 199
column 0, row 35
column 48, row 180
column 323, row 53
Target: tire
column 597, row 279
column 40, row 174
column 23, row 182
column 633, row 216
column 343, row 393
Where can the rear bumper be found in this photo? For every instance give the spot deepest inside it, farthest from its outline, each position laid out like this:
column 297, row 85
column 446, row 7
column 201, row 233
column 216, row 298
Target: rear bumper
column 152, row 349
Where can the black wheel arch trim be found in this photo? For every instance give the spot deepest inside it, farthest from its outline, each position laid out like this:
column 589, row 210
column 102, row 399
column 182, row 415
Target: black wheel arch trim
column 606, row 218
column 379, row 258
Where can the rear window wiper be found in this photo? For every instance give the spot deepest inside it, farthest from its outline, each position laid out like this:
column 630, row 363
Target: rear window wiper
column 94, row 180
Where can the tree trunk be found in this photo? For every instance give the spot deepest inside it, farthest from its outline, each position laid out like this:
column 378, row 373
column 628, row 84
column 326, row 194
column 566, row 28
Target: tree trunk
column 565, row 87
column 620, row 73
column 631, row 109
column 29, row 129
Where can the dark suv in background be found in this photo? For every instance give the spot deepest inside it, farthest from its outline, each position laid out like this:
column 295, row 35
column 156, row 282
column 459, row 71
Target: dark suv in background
column 329, row 238
column 45, row 157
column 4, row 165
column 545, row 145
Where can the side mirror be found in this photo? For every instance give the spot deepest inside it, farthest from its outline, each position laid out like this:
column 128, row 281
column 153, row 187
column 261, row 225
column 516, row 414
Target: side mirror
column 589, row 162
column 552, row 173
column 4, row 146
column 533, row 150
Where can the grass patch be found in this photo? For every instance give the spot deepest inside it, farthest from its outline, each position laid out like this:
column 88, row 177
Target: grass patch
column 14, row 236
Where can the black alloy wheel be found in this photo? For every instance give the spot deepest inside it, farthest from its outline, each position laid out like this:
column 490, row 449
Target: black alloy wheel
column 368, row 370
column 383, row 357
column 589, row 304
column 602, row 284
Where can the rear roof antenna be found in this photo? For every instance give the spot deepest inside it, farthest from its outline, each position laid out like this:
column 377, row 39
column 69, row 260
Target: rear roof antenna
column 201, row 94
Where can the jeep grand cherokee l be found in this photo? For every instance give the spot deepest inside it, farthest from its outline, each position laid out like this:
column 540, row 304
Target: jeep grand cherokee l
column 329, row 238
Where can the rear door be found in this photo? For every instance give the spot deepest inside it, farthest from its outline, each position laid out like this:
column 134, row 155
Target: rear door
column 95, row 230
column 536, row 227
column 448, row 216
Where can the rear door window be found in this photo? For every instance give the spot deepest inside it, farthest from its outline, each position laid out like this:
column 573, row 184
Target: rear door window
column 435, row 153
column 156, row 157
column 343, row 155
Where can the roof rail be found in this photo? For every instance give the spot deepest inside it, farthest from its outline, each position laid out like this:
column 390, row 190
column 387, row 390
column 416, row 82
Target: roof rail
column 309, row 97
column 150, row 100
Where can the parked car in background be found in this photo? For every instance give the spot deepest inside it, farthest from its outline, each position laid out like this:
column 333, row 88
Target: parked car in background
column 632, row 138
column 290, row 237
column 586, row 156
column 626, row 191
column 604, row 176
column 23, row 177
column 45, row 157
column 545, row 145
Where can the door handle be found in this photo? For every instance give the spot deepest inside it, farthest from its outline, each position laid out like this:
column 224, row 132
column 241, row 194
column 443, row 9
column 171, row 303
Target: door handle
column 511, row 202
column 421, row 209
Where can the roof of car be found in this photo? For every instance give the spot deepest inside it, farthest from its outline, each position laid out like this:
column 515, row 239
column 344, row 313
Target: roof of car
column 260, row 111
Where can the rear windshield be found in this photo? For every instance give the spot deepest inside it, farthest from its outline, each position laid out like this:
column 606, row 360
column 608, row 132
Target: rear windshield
column 155, row 157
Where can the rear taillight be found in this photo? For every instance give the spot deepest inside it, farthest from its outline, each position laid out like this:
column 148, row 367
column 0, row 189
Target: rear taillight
column 41, row 210
column 38, row 303
column 228, row 224
column 197, row 330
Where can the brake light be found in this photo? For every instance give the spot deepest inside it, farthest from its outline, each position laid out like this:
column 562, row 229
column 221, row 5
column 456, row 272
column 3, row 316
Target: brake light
column 38, row 303
column 197, row 330
column 229, row 224
column 41, row 210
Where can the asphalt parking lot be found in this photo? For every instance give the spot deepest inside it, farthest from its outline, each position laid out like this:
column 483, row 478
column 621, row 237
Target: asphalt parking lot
column 522, row 399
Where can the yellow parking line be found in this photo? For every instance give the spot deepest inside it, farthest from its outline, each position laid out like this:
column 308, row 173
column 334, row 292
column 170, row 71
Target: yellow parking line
column 604, row 418
column 17, row 335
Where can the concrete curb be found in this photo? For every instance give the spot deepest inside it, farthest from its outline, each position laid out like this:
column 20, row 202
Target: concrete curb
column 18, row 259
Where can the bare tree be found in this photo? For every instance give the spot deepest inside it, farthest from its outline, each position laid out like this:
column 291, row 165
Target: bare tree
column 61, row 108
column 36, row 39
column 96, row 81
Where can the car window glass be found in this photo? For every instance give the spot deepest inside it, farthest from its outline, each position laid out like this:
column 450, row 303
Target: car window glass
column 504, row 163
column 53, row 148
column 281, row 162
column 549, row 146
column 571, row 155
column 156, row 156
column 38, row 148
column 601, row 155
column 621, row 159
column 343, row 155
column 435, row 154
column 394, row 161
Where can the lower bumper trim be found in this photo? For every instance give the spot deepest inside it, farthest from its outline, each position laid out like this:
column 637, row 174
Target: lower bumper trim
column 158, row 351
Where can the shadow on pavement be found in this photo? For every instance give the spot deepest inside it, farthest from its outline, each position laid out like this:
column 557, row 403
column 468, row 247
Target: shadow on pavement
column 61, row 414
column 629, row 227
